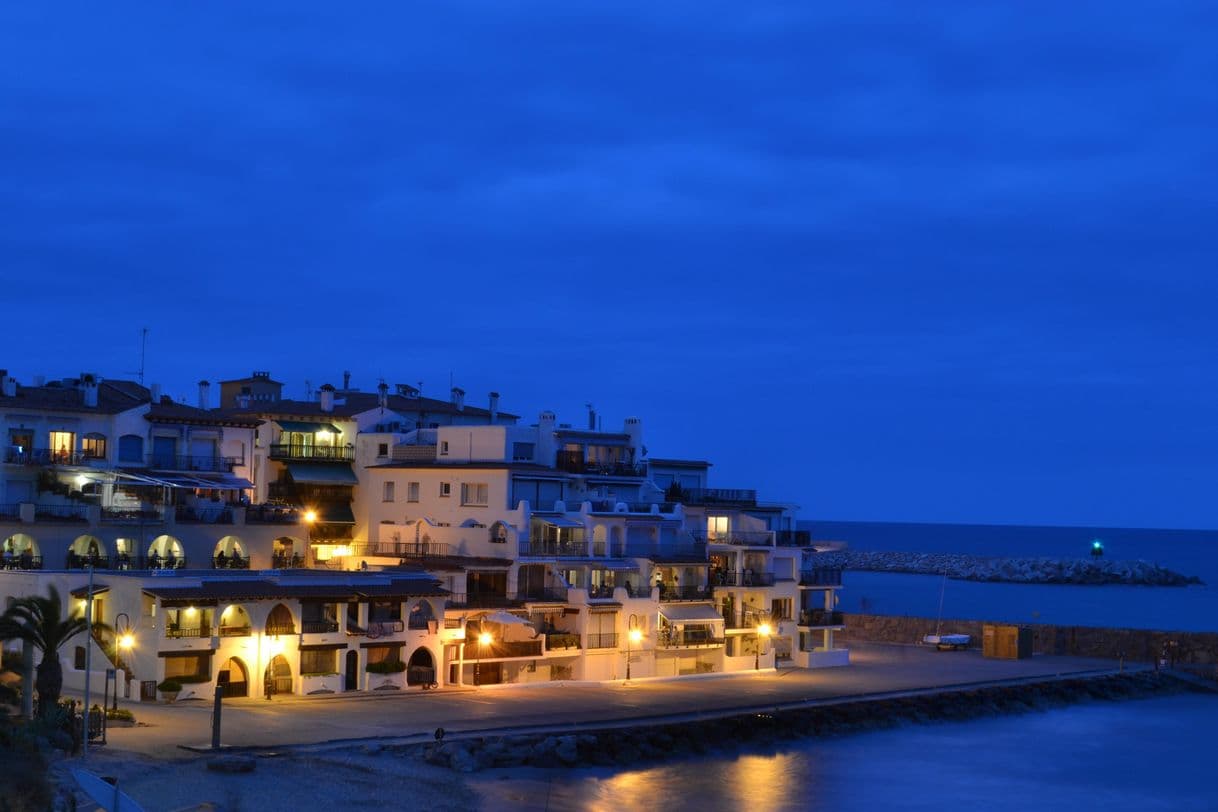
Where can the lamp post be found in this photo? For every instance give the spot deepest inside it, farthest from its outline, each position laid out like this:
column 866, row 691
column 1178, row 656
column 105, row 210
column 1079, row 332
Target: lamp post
column 124, row 639
column 633, row 635
column 763, row 631
column 484, row 640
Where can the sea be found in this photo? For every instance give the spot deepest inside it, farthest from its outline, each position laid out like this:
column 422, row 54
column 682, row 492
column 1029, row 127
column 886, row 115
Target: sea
column 1138, row 755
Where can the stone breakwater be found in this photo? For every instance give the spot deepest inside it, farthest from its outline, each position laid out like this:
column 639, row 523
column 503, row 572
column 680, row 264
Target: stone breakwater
column 644, row 743
column 1086, row 571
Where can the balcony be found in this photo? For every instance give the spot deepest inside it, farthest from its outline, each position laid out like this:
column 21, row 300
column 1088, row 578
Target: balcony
column 742, row 579
column 559, row 641
column 177, row 632
column 793, row 538
column 10, row 513
column 319, row 626
column 734, row 497
column 384, row 628
column 140, row 515
column 606, row 640
column 821, row 617
column 61, row 513
column 747, row 619
column 574, row 462
column 325, row 453
column 695, row 551
column 230, row 562
column 480, row 600
column 554, row 549
column 180, row 462
column 45, row 456
column 272, row 514
column 673, row 594
column 403, row 549
column 744, row 538
column 236, row 631
column 502, row 650
column 208, row 515
column 280, row 628
column 690, row 637
column 821, row 576
column 83, row 562
column 24, row 561
column 550, row 594
column 153, row 562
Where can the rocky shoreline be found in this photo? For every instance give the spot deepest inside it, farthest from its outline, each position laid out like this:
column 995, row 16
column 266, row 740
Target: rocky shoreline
column 632, row 745
column 1081, row 571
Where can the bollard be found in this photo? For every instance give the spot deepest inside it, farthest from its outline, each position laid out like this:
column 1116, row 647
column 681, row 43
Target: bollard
column 215, row 718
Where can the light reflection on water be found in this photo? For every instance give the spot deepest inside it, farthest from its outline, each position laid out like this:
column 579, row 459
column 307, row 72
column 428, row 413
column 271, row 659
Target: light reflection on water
column 1139, row 755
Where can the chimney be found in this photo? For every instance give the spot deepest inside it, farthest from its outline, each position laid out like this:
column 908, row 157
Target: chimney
column 326, row 397
column 8, row 384
column 204, row 391
column 382, row 392
column 346, row 380
column 459, row 398
column 154, row 392
column 591, row 417
column 547, row 441
column 408, row 391
column 634, row 428
column 88, row 384
column 494, row 409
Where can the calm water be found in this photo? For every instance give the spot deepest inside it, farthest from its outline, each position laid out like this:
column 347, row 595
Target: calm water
column 1152, row 754
column 1192, row 552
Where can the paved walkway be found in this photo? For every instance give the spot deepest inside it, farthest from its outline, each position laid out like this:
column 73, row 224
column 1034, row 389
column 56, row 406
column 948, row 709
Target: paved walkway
column 294, row 721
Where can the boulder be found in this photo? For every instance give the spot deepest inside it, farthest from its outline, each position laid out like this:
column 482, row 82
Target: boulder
column 232, row 764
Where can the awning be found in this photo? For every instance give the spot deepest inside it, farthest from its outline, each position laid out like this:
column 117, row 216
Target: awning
column 322, row 647
column 690, row 612
column 335, row 514
column 186, row 652
column 386, row 644
column 83, row 591
column 307, row 428
column 603, row 608
column 226, row 482
column 320, row 473
column 559, row 521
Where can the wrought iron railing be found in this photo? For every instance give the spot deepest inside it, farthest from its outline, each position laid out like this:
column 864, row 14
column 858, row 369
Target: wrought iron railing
column 189, row 631
column 821, row 576
column 272, row 514
column 603, row 640
column 561, row 640
column 151, row 513
column 695, row 592
column 793, row 538
column 745, row 578
column 82, row 562
column 280, row 628
column 208, row 515
column 720, row 496
column 574, row 462
column 188, row 462
column 319, row 626
column 10, row 512
column 821, row 617
column 744, row 538
column 61, row 513
column 555, row 549
column 403, row 549
column 230, row 562
column 691, row 636
column 501, row 649
column 22, row 561
column 288, row 451
column 236, row 631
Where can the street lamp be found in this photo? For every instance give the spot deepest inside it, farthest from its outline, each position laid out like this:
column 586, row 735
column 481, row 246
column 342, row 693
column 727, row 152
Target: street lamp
column 124, row 639
column 634, row 635
column 763, row 631
column 484, row 640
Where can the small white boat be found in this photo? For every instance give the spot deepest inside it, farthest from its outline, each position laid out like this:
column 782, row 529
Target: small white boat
column 947, row 642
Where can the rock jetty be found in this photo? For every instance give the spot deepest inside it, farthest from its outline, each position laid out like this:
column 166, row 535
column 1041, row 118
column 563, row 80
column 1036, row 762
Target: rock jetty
column 1087, row 571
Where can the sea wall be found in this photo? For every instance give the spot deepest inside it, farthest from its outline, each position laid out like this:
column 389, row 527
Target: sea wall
column 642, row 743
column 1192, row 648
column 1086, row 571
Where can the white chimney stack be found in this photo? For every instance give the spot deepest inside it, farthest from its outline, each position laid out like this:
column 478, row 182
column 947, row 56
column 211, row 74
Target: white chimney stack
column 204, row 392
column 494, row 406
column 88, row 384
column 154, row 392
column 326, row 396
column 634, row 429
column 547, row 440
column 458, row 398
column 8, row 384
column 382, row 391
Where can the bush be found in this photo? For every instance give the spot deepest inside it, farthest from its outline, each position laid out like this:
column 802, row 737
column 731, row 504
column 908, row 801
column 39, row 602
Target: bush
column 120, row 714
column 386, row 667
column 23, row 771
column 193, row 679
column 169, row 686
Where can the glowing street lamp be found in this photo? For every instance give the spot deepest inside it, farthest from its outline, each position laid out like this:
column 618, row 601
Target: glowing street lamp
column 484, row 640
column 123, row 639
column 763, row 631
column 634, row 636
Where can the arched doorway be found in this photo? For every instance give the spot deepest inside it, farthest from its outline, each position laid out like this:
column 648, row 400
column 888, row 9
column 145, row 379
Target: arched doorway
column 230, row 554
column 287, row 552
column 278, row 678
column 87, row 550
column 351, row 672
column 21, row 553
column 233, row 678
column 421, row 669
column 280, row 621
column 421, row 616
column 235, row 621
column 165, row 552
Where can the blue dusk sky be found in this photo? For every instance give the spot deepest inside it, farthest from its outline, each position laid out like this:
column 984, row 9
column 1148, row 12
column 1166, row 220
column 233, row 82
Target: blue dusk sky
column 888, row 261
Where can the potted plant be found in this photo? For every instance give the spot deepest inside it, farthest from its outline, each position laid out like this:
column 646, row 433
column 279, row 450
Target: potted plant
column 170, row 689
column 389, row 675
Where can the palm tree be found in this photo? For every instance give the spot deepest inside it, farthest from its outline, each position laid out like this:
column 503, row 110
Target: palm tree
column 41, row 622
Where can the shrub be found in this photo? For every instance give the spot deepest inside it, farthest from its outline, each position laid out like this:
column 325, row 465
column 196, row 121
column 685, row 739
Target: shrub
column 193, row 679
column 120, row 714
column 386, row 667
column 169, row 686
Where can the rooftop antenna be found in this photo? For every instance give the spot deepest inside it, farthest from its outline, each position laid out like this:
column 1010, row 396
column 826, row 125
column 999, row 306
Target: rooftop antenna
column 143, row 348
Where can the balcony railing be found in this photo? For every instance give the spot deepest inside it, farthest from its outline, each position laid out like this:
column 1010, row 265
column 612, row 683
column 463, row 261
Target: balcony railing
column 83, row 562
column 236, row 631
column 272, row 514
column 230, row 562
column 24, row 561
column 740, row 497
column 189, row 631
column 403, row 549
column 319, row 626
column 288, row 451
column 61, row 513
column 45, row 456
column 821, row 576
column 555, row 549
column 153, row 513
column 746, row 578
column 208, row 515
column 500, row 649
column 695, row 551
column 744, row 538
column 690, row 637
column 821, row 617
column 10, row 512
column 280, row 628
column 574, row 462
column 550, row 594
column 187, row 462
column 670, row 594
column 478, row 600
column 793, row 538
column 747, row 619
column 605, row 640
column 561, row 640
column 383, row 628
column 156, row 562
column 280, row 561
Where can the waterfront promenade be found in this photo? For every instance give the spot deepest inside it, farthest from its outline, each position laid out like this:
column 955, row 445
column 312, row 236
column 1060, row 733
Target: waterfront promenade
column 322, row 721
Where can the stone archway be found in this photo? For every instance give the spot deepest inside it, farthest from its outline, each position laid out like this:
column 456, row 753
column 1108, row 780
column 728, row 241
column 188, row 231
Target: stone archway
column 421, row 616
column 165, row 552
column 421, row 669
column 87, row 550
column 278, row 677
column 233, row 678
column 280, row 621
column 21, row 552
column 230, row 553
column 287, row 552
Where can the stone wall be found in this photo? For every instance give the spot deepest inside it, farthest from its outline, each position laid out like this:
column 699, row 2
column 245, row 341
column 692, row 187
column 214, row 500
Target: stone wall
column 1198, row 648
column 1081, row 571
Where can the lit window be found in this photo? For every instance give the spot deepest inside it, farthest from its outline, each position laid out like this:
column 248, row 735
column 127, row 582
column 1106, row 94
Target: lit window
column 716, row 526
column 388, row 492
column 446, row 489
column 93, row 446
column 62, row 444
column 412, row 491
column 474, row 493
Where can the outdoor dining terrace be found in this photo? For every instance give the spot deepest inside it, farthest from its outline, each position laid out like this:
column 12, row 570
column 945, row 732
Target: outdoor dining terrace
column 689, row 637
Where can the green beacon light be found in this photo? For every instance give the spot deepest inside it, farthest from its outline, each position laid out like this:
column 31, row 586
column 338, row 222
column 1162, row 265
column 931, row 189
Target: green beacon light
column 1097, row 548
